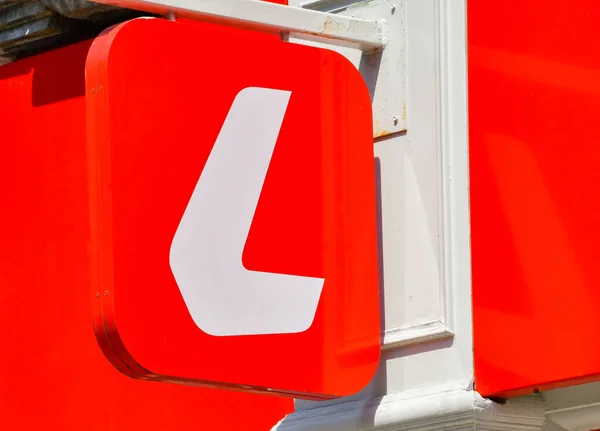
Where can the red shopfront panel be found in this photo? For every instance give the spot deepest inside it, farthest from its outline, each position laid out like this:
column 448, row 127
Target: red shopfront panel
column 534, row 109
column 54, row 375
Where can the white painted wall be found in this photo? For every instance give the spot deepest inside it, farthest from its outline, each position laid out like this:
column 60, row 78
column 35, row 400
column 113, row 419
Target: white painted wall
column 424, row 207
column 426, row 372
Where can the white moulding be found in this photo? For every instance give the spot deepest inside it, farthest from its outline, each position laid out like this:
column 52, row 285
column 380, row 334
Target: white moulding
column 447, row 408
column 574, row 408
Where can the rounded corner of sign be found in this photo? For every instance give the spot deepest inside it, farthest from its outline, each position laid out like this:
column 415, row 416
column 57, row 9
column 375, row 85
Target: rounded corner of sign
column 101, row 46
column 117, row 354
column 105, row 344
column 352, row 69
column 359, row 385
column 362, row 365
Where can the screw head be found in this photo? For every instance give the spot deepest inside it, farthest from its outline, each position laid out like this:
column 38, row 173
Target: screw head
column 395, row 121
column 393, row 9
column 97, row 294
column 106, row 293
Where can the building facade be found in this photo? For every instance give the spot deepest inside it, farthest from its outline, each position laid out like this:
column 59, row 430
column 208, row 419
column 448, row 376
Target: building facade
column 485, row 160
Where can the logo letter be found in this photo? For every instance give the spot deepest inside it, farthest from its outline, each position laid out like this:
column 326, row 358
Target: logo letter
column 222, row 296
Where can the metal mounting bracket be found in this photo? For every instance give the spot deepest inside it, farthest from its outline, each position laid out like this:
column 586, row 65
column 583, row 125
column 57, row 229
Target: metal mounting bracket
column 384, row 71
column 344, row 30
column 300, row 23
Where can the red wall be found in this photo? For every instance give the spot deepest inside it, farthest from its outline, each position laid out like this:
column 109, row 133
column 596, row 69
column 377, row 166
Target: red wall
column 54, row 376
column 534, row 111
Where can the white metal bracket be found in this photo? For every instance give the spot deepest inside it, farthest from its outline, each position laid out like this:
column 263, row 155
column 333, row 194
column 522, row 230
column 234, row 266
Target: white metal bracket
column 345, row 30
column 384, row 71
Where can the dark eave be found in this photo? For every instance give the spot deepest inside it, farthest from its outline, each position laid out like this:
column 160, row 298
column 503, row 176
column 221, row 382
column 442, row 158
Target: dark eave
column 30, row 26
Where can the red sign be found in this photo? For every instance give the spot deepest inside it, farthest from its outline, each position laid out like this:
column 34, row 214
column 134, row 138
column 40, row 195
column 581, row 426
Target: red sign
column 55, row 376
column 533, row 109
column 233, row 210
